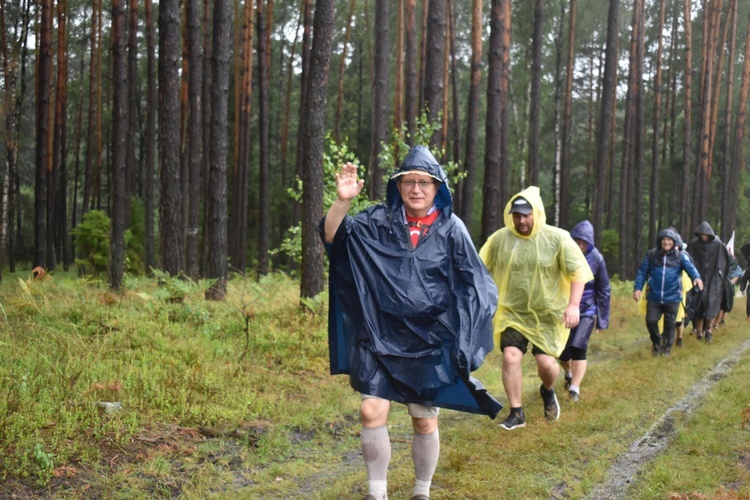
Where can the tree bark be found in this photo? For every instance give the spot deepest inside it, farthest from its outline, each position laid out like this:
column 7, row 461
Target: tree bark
column 686, row 196
column 312, row 282
column 42, row 159
column 411, row 95
column 150, row 136
column 342, row 67
column 536, row 85
column 434, row 55
column 654, row 187
column 264, row 123
column 728, row 212
column 170, row 213
column 492, row 202
column 379, row 98
column 216, row 204
column 472, row 116
column 194, row 136
column 119, row 190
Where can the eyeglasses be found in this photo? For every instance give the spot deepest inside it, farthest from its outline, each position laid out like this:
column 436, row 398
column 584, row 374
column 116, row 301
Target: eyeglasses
column 409, row 184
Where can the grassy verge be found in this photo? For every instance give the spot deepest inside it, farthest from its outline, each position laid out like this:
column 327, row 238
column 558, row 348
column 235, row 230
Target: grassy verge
column 235, row 397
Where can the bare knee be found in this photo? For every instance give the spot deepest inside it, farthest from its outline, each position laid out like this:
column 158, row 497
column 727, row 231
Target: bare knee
column 424, row 425
column 374, row 412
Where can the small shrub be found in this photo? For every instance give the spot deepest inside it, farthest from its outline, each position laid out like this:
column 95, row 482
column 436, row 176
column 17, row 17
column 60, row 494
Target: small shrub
column 92, row 242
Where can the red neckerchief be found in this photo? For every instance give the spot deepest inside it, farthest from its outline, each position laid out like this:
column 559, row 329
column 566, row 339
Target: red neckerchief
column 418, row 226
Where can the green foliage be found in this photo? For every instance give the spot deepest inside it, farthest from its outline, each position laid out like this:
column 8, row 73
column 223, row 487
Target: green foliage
column 92, row 242
column 335, row 155
column 394, row 152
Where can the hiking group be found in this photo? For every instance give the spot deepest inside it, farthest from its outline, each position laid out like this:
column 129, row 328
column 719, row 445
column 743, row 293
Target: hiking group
column 415, row 309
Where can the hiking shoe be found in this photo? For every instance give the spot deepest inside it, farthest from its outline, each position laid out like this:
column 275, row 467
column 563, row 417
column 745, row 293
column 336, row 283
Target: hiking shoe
column 420, row 497
column 655, row 349
column 678, row 343
column 699, row 335
column 665, row 350
column 551, row 406
column 573, row 396
column 709, row 337
column 568, row 381
column 515, row 420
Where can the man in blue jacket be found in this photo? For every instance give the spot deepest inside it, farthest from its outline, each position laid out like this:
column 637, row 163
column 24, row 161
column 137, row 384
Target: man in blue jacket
column 594, row 309
column 411, row 310
column 662, row 267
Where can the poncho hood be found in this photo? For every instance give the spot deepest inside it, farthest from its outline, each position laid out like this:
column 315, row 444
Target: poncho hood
column 583, row 231
column 671, row 234
column 420, row 158
column 705, row 228
column 534, row 197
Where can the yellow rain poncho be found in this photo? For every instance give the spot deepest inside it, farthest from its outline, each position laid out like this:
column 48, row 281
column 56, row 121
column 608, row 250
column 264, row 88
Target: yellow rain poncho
column 533, row 275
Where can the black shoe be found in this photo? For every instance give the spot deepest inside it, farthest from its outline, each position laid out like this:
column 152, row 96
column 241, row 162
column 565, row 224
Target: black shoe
column 655, row 349
column 568, row 381
column 709, row 337
column 515, row 420
column 573, row 396
column 551, row 406
column 699, row 335
column 665, row 350
column 678, row 343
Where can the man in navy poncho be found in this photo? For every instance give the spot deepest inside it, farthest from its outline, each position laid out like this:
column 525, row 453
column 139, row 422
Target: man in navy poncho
column 410, row 311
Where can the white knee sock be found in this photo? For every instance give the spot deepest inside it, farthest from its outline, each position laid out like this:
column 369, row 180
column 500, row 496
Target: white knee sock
column 376, row 451
column 425, row 451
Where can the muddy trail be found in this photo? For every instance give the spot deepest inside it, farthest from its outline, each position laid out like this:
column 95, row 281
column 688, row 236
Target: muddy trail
column 643, row 450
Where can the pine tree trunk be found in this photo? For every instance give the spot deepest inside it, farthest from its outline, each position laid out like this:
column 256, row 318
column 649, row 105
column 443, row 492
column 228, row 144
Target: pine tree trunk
column 312, row 282
column 491, row 205
column 728, row 216
column 536, row 85
column 44, row 68
column 216, row 202
column 342, row 67
column 379, row 98
column 170, row 213
column 150, row 139
column 194, row 136
column 738, row 157
column 119, row 133
column 654, row 186
column 411, row 95
column 472, row 116
column 264, row 123
column 686, row 196
column 434, row 55
column 565, row 166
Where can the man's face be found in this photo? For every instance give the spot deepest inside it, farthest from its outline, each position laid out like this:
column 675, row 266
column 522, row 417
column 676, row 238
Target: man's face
column 418, row 190
column 523, row 223
column 582, row 244
column 703, row 237
column 667, row 244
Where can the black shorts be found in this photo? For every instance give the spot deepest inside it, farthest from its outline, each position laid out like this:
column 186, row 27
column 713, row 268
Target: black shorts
column 513, row 338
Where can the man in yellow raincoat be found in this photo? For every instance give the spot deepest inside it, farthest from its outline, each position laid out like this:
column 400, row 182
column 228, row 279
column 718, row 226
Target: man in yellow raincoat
column 540, row 274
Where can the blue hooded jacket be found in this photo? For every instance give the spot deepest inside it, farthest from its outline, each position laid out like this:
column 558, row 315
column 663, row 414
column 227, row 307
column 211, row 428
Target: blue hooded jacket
column 663, row 270
column 596, row 293
column 410, row 324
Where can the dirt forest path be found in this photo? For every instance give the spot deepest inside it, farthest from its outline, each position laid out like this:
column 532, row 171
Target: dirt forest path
column 657, row 439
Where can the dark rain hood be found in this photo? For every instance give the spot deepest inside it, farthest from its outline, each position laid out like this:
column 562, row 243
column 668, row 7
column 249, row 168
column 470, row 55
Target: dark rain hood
column 411, row 324
column 671, row 234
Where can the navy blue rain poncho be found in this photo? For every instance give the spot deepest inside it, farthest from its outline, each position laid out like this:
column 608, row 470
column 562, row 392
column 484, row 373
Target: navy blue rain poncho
column 411, row 324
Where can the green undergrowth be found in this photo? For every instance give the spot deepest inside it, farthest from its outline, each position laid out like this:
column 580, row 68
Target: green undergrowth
column 234, row 398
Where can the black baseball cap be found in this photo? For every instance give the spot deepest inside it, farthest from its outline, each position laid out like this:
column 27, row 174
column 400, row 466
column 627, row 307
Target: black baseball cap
column 521, row 205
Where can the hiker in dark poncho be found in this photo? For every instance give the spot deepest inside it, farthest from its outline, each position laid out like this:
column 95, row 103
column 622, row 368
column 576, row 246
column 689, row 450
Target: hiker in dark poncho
column 711, row 259
column 411, row 309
